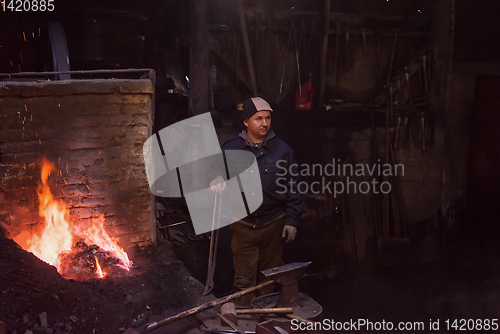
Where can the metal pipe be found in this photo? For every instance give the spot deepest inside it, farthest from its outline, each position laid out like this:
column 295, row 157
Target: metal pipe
column 25, row 74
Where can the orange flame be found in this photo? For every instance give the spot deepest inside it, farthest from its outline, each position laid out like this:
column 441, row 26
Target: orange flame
column 99, row 272
column 96, row 235
column 56, row 237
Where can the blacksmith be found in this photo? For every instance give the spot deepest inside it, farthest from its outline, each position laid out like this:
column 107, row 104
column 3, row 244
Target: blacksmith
column 257, row 240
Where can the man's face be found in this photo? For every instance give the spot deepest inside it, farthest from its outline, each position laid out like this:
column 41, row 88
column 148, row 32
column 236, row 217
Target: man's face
column 259, row 124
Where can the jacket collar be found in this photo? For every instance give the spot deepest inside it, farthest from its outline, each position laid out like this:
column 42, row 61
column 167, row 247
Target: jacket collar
column 243, row 134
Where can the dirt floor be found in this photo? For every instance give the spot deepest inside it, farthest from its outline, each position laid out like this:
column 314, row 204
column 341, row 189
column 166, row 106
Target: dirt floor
column 422, row 283
column 31, row 290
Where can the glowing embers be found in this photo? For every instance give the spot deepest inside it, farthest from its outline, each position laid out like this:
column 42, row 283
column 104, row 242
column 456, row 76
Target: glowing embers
column 78, row 252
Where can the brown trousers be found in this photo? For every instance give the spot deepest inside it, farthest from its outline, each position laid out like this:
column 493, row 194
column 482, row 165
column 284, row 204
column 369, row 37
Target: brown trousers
column 255, row 249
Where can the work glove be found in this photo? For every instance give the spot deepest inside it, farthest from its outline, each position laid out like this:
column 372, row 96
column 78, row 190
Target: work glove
column 289, row 232
column 218, row 184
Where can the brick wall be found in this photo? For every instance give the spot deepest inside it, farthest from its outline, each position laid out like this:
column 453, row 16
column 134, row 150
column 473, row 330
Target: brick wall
column 93, row 130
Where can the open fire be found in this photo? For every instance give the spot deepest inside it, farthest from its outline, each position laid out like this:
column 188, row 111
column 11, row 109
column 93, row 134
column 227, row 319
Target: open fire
column 79, row 252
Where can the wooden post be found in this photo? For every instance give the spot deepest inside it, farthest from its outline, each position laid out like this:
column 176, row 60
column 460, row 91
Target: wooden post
column 198, row 54
column 324, row 52
column 337, row 45
column 386, row 207
column 449, row 66
column 246, row 44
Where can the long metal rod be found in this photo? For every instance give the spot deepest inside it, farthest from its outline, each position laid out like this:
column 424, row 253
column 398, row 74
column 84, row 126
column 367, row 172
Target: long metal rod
column 25, row 74
column 214, row 239
column 297, row 56
column 286, row 57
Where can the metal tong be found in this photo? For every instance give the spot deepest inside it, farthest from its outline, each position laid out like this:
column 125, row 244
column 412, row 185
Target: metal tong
column 214, row 236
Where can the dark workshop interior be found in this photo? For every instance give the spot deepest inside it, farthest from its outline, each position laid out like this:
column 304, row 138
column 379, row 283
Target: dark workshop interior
column 404, row 86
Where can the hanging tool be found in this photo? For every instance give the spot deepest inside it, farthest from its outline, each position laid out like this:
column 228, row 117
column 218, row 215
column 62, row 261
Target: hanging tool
column 414, row 126
column 423, row 130
column 324, row 52
column 286, row 57
column 213, row 245
column 347, row 47
column 303, row 95
column 391, row 101
column 421, row 84
column 268, row 44
column 365, row 48
column 397, row 132
column 337, row 42
column 407, row 77
column 304, row 102
column 312, row 40
column 237, row 61
column 429, row 64
column 235, row 36
column 416, row 132
column 297, row 55
column 246, row 44
column 256, row 42
column 386, row 206
column 377, row 58
column 405, row 134
column 400, row 115
column 424, row 64
column 392, row 58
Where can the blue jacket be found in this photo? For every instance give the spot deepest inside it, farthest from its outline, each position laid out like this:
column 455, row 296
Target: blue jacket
column 279, row 187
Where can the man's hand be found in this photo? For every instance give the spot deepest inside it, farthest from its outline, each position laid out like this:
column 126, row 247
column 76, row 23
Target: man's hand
column 290, row 231
column 218, row 184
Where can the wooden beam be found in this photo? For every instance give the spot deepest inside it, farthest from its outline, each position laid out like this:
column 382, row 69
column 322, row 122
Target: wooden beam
column 384, row 33
column 355, row 32
column 262, row 29
column 280, row 14
column 246, row 44
column 360, row 17
column 324, row 53
column 198, row 58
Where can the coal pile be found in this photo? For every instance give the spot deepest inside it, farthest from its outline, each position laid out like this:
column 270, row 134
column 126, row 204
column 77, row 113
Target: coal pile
column 85, row 261
column 35, row 297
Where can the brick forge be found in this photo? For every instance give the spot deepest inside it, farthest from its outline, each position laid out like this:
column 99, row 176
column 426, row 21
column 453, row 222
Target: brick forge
column 93, row 130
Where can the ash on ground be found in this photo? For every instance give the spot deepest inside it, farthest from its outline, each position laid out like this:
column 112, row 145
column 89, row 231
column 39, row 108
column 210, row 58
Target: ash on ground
column 34, row 295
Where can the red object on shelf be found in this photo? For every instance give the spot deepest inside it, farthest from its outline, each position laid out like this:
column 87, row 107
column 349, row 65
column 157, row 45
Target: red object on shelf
column 302, row 99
